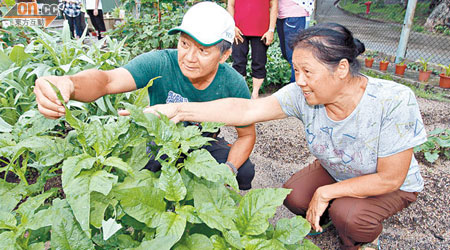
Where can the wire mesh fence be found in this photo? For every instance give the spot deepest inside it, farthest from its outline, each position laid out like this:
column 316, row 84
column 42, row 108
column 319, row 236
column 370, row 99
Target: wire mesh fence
column 384, row 37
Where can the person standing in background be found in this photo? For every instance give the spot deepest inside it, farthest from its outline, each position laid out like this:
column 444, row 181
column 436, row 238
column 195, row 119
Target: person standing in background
column 255, row 24
column 292, row 17
column 72, row 13
column 94, row 10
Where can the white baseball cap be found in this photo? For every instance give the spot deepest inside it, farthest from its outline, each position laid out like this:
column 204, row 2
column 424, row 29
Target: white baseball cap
column 207, row 23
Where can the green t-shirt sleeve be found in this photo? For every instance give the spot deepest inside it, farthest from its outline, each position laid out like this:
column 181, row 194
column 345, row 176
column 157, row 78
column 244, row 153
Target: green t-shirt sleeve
column 147, row 66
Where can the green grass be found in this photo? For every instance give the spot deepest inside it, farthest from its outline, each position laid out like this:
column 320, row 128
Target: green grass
column 387, row 12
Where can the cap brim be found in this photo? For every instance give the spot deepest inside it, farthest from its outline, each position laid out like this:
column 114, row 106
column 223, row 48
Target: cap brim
column 179, row 29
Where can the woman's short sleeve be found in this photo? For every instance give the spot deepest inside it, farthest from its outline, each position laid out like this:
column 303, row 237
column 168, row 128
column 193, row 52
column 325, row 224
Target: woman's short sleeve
column 401, row 126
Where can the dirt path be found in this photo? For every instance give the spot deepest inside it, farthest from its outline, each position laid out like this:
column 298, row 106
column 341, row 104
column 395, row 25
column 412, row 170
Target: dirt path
column 281, row 150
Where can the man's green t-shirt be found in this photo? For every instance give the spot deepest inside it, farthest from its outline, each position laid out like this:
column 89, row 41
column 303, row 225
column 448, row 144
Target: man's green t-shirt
column 173, row 86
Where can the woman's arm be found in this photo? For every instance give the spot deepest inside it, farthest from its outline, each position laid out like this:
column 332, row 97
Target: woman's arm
column 231, row 111
column 390, row 175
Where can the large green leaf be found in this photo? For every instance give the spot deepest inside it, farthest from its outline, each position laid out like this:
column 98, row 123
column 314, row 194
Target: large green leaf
column 102, row 182
column 28, row 208
column 4, row 126
column 78, row 193
column 214, row 205
column 99, row 203
column 256, row 207
column 103, row 138
column 149, row 121
column 211, row 127
column 203, row 165
column 142, row 94
column 53, row 153
column 191, row 138
column 37, row 246
column 307, row 245
column 118, row 163
column 43, row 218
column 5, row 62
column 8, row 241
column 66, row 232
column 18, row 54
column 10, row 195
column 189, row 213
column 161, row 243
column 291, row 231
column 169, row 224
column 188, row 180
column 7, row 220
column 219, row 243
column 194, row 242
column 78, row 196
column 233, row 238
column 140, row 198
column 171, row 183
column 138, row 158
column 263, row 244
column 72, row 166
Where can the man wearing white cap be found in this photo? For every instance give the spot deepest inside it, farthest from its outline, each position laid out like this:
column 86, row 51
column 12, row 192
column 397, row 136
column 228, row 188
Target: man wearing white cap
column 194, row 72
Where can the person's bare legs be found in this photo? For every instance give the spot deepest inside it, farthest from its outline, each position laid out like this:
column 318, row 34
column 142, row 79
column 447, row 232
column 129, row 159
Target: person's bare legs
column 257, row 82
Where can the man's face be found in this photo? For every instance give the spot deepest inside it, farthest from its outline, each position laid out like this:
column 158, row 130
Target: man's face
column 198, row 62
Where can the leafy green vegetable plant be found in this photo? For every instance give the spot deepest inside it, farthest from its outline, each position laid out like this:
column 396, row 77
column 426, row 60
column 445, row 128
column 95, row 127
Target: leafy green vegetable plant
column 446, row 69
column 53, row 54
column 111, row 202
column 370, row 54
column 438, row 144
column 424, row 63
column 401, row 62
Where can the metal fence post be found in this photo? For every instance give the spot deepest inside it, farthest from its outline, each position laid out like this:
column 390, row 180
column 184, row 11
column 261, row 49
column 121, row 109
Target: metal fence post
column 407, row 23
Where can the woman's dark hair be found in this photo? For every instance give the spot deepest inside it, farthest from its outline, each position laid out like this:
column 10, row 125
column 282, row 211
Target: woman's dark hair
column 330, row 43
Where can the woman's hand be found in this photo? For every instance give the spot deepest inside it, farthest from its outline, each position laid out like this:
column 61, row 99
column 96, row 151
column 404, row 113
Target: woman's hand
column 238, row 36
column 170, row 110
column 267, row 38
column 317, row 206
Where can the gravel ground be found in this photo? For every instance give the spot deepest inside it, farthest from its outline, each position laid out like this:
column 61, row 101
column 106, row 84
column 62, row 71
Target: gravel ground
column 281, row 150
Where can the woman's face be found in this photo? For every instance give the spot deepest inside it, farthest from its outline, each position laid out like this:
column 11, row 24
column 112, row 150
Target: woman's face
column 318, row 83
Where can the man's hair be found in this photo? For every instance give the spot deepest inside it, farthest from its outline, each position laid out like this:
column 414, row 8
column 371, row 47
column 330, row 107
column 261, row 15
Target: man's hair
column 223, row 46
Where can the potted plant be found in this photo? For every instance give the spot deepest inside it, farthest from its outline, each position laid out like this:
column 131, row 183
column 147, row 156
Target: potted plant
column 424, row 72
column 444, row 81
column 400, row 67
column 368, row 61
column 384, row 64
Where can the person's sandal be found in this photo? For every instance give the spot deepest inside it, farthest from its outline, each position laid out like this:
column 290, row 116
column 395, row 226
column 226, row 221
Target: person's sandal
column 371, row 245
column 324, row 228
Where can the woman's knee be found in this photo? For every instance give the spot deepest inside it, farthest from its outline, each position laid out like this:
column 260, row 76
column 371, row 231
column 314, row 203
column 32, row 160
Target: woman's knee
column 352, row 219
column 296, row 201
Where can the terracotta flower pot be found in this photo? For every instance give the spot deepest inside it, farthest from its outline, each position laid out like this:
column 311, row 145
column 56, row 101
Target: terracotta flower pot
column 424, row 75
column 384, row 65
column 368, row 62
column 400, row 69
column 444, row 81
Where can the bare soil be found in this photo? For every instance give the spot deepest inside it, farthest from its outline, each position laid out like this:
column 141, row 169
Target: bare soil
column 281, row 150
